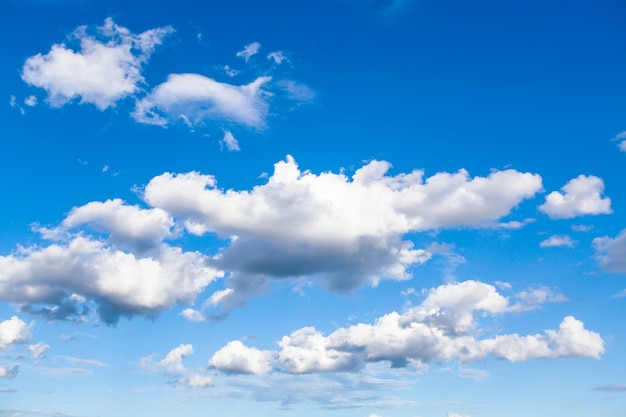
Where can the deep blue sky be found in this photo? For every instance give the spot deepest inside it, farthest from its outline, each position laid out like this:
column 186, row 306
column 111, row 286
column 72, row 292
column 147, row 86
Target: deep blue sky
column 401, row 208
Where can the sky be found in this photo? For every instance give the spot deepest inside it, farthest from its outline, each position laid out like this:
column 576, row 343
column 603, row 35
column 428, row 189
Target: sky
column 355, row 208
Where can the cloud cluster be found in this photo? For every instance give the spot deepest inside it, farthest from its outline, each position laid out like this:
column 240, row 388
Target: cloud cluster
column 581, row 196
column 68, row 274
column 107, row 67
column 442, row 328
column 346, row 231
column 343, row 232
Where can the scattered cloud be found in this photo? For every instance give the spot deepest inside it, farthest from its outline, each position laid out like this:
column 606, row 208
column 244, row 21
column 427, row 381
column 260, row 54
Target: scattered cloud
column 453, row 414
column 579, row 197
column 556, row 241
column 230, row 141
column 581, row 228
column 196, row 99
column 107, row 68
column 173, row 366
column 442, row 328
column 619, row 294
column 621, row 138
column 611, row 252
column 611, row 388
column 249, row 51
column 9, row 372
column 235, row 357
column 13, row 331
column 472, row 373
column 30, row 101
column 278, row 57
column 37, row 350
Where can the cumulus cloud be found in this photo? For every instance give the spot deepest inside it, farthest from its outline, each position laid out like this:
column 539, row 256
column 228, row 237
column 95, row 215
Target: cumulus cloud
column 345, row 231
column 235, row 357
column 13, row 331
column 67, row 274
column 442, row 328
column 105, row 69
column 579, row 197
column 557, row 240
column 611, row 252
column 127, row 226
column 249, row 50
column 195, row 99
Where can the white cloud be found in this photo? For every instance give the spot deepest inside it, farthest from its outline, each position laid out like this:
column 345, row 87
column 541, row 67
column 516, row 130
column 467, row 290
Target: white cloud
column 13, row 331
column 534, row 298
column 30, row 101
column 197, row 99
column 557, row 240
column 107, row 68
column 347, row 232
column 235, row 357
column 230, row 141
column 453, row 414
column 127, row 226
column 579, row 197
column 278, row 57
column 442, row 328
column 621, row 137
column 37, row 350
column 249, row 50
column 9, row 372
column 611, row 252
column 296, row 92
column 65, row 275
column 173, row 366
column 173, row 362
column 474, row 374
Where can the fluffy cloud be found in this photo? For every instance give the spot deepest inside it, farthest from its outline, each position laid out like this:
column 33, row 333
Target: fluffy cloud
column 611, row 252
column 346, row 231
column 442, row 328
column 13, row 331
column 579, row 197
column 173, row 365
column 127, row 226
column 235, row 357
column 557, row 240
column 106, row 69
column 194, row 98
column 121, row 283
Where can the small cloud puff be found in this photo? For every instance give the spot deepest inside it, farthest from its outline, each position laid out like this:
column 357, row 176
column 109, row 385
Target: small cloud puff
column 556, row 241
column 249, row 50
column 579, row 197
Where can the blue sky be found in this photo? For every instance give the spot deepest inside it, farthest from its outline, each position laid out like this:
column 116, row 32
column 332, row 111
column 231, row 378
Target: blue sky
column 367, row 208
